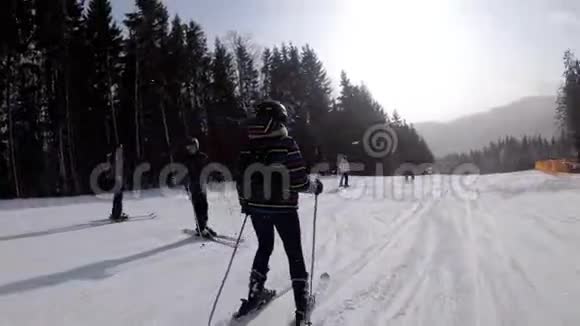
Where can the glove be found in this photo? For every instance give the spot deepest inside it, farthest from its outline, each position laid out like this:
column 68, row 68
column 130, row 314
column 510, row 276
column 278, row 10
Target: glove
column 174, row 181
column 316, row 187
column 244, row 206
column 319, row 187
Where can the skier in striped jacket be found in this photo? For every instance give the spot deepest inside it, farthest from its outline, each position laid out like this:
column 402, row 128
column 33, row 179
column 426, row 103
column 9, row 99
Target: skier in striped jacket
column 272, row 173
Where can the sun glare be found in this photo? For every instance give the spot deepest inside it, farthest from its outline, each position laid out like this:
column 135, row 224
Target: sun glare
column 401, row 47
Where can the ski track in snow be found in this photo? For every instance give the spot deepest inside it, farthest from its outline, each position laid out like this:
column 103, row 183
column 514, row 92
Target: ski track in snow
column 509, row 257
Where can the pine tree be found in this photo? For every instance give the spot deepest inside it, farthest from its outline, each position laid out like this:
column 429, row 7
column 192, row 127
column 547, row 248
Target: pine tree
column 294, row 85
column 396, row 120
column 223, row 80
column 247, row 74
column 316, row 86
column 569, row 98
column 100, row 126
column 147, row 55
column 277, row 75
column 197, row 66
column 224, row 106
column 74, row 82
column 266, row 72
column 316, row 99
column 177, row 78
column 59, row 38
column 18, row 122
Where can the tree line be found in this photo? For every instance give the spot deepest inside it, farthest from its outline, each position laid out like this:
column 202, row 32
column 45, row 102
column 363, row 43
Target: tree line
column 568, row 106
column 74, row 84
column 511, row 154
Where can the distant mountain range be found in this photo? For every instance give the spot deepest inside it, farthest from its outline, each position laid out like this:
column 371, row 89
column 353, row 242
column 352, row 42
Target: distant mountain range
column 530, row 116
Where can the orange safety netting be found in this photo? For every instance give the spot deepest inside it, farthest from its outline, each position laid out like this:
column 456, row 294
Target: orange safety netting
column 558, row 166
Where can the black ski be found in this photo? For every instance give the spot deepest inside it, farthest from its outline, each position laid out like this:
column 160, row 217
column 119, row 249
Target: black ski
column 131, row 218
column 151, row 215
column 221, row 239
column 194, row 233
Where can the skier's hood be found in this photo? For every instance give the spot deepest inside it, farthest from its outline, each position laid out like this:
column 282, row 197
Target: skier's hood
column 260, row 128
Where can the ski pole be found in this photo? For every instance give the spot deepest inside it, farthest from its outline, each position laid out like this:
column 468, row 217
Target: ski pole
column 227, row 272
column 308, row 321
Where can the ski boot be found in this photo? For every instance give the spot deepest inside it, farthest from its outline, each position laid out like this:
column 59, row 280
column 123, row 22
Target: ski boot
column 300, row 316
column 206, row 232
column 210, row 231
column 257, row 297
column 302, row 300
column 118, row 219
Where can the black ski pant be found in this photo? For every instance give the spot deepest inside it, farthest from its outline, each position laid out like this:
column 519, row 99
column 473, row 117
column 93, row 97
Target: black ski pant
column 200, row 207
column 344, row 180
column 117, row 205
column 288, row 227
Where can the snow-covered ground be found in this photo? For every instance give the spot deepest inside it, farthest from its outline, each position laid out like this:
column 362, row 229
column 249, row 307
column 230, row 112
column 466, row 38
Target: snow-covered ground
column 503, row 252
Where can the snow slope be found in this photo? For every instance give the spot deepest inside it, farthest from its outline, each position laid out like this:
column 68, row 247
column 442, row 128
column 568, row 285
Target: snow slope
column 506, row 254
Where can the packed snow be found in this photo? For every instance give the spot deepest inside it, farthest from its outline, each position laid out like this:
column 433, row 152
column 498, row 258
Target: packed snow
column 500, row 250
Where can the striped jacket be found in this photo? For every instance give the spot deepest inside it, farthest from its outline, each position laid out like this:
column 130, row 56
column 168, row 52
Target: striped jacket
column 271, row 170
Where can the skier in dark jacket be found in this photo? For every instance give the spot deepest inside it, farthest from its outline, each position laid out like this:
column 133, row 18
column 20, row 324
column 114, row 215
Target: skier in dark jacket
column 196, row 161
column 115, row 159
column 270, row 196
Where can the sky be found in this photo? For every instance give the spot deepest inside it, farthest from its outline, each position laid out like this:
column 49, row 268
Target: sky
column 430, row 60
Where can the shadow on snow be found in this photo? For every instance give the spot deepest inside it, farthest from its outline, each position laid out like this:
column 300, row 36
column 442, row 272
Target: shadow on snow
column 94, row 271
column 72, row 228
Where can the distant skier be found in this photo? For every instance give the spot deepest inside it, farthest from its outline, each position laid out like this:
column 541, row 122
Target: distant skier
column 115, row 159
column 196, row 161
column 274, row 204
column 343, row 170
column 409, row 176
column 319, row 157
